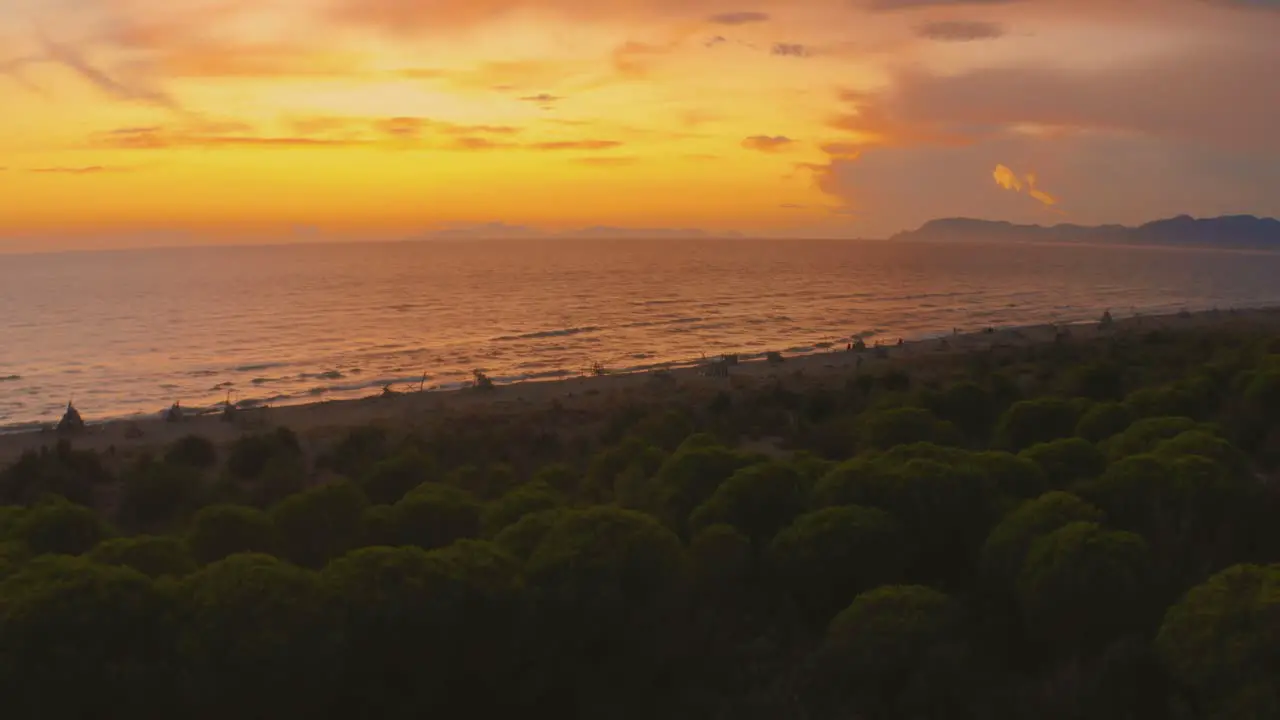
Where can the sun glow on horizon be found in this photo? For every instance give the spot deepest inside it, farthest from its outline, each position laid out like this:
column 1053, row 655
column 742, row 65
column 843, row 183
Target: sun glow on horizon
column 228, row 116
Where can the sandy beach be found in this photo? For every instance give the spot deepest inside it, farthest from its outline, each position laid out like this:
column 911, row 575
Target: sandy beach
column 587, row 395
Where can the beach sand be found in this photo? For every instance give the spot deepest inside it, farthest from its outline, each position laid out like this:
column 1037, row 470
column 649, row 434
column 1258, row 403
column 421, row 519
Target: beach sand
column 588, row 397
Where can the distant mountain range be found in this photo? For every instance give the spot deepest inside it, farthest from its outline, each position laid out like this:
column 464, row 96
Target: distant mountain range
column 499, row 230
column 1228, row 231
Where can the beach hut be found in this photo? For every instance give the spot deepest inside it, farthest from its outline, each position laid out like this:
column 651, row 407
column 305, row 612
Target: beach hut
column 71, row 421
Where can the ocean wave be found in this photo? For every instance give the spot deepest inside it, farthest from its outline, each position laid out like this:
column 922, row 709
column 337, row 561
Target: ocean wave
column 664, row 322
column 259, row 367
column 562, row 332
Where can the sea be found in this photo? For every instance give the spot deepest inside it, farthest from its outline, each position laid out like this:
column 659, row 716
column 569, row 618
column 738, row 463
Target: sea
column 128, row 333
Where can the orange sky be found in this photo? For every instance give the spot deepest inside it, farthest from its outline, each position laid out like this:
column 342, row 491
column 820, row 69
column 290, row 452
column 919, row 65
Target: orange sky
column 124, row 122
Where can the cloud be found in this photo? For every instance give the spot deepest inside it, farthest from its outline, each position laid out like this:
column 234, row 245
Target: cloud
column 483, row 143
column 1272, row 5
column 894, row 5
column 791, row 50
column 14, row 70
column 503, row 75
column 90, row 170
column 468, row 142
column 161, row 138
column 541, row 98
column 634, row 59
column 841, row 149
column 414, row 17
column 1108, row 179
column 767, row 144
column 1212, row 94
column 606, row 161
column 738, row 18
column 1009, row 180
column 959, row 30
column 401, row 127
column 232, row 59
column 71, row 59
column 406, row 128
column 575, row 145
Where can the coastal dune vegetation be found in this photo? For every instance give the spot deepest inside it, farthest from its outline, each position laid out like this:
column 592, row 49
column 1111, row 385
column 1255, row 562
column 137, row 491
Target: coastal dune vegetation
column 1077, row 529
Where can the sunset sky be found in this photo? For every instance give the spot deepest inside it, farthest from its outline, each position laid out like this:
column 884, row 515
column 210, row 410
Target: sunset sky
column 134, row 122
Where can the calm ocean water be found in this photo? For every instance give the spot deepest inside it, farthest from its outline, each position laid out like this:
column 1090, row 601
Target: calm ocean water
column 129, row 332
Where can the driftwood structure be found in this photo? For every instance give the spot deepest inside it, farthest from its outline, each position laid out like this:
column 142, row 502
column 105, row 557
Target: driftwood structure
column 174, row 413
column 716, row 368
column 71, row 422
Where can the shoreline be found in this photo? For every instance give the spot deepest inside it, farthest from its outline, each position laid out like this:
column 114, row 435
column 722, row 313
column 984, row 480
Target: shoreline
column 214, row 403
column 318, row 417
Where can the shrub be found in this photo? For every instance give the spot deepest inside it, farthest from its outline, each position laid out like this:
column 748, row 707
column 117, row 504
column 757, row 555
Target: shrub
column 389, row 480
column 1067, row 461
column 61, row 528
column 192, row 451
column 152, row 555
column 528, row 498
column 435, row 515
column 826, row 558
column 1082, row 586
column 249, row 456
column 1029, row 422
column 219, row 531
column 1104, row 420
column 320, row 524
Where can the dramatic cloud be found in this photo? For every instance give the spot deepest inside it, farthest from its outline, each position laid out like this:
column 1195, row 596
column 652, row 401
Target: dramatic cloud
column 905, row 108
column 1009, row 180
column 959, row 30
column 1273, row 5
column 764, row 143
column 1220, row 96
